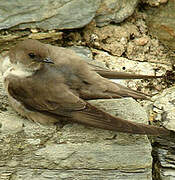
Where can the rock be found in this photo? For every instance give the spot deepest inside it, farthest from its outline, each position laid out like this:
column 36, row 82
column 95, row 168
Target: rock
column 111, row 38
column 59, row 14
column 78, row 151
column 83, row 51
column 161, row 23
column 114, row 11
column 10, row 123
column 155, row 2
column 45, row 174
column 42, row 35
column 164, row 106
column 142, row 41
column 63, row 14
column 47, row 14
column 150, row 51
column 128, row 40
column 131, row 110
column 165, row 157
column 164, row 112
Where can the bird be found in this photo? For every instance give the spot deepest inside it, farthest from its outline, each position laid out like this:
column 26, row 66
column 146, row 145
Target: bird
column 46, row 83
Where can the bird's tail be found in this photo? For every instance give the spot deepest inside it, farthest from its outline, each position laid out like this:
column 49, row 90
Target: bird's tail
column 97, row 118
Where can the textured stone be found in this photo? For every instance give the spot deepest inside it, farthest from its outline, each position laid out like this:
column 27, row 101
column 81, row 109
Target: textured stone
column 127, row 40
column 164, row 106
column 155, row 2
column 53, row 35
column 45, row 174
column 161, row 23
column 10, row 123
column 83, row 51
column 164, row 113
column 141, row 41
column 165, row 155
column 97, row 156
column 77, row 151
column 48, row 14
column 63, row 14
column 114, row 11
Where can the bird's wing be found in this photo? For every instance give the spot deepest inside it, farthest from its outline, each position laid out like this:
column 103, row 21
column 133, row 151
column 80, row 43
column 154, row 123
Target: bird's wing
column 60, row 100
column 40, row 95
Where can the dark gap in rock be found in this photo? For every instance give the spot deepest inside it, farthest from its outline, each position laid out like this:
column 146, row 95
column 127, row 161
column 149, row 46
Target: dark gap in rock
column 156, row 163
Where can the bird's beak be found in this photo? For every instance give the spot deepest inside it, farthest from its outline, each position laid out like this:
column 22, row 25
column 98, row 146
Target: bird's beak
column 48, row 60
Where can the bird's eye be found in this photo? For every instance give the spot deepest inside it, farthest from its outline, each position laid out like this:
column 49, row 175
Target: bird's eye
column 32, row 55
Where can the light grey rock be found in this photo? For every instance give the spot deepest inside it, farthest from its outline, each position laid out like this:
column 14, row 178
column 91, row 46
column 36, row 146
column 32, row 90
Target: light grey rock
column 83, row 52
column 45, row 174
column 10, row 123
column 168, row 174
column 97, row 156
column 114, row 11
column 126, row 108
column 78, row 152
column 63, row 14
column 164, row 106
column 48, row 14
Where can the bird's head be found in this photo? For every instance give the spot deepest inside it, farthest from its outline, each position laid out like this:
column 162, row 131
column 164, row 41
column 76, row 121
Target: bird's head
column 30, row 53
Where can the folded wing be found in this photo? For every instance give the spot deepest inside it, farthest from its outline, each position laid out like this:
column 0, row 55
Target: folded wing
column 61, row 101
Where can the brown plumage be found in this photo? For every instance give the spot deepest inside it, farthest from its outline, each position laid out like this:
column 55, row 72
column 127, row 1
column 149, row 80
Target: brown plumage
column 46, row 82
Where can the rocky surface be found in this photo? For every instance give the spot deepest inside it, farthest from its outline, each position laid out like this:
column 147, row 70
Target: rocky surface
column 71, row 151
column 49, row 14
column 161, row 23
column 154, row 3
column 130, row 40
column 62, row 14
column 165, row 153
column 114, row 11
column 164, row 112
column 164, row 106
